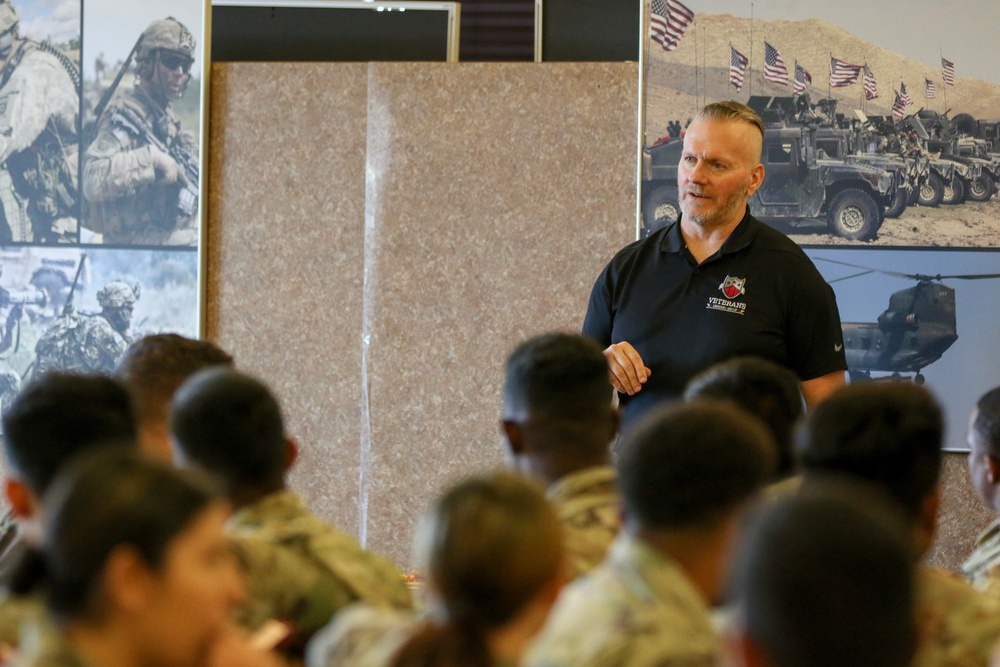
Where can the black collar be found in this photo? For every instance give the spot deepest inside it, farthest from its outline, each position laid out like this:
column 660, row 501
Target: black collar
column 741, row 237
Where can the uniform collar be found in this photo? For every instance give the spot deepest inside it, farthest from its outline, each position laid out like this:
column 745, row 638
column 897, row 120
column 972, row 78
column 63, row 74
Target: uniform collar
column 740, row 238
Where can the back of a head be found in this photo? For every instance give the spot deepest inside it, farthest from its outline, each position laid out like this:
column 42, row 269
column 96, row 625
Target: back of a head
column 230, row 424
column 58, row 416
column 103, row 500
column 762, row 388
column 490, row 546
column 986, row 423
column 826, row 579
column 689, row 465
column 155, row 366
column 560, row 380
column 886, row 433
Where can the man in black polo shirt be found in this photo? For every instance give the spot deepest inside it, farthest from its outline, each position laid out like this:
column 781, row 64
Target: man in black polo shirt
column 716, row 284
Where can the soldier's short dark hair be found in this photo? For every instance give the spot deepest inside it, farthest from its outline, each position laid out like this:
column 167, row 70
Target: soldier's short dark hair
column 558, row 378
column 761, row 387
column 689, row 465
column 986, row 423
column 887, row 433
column 230, row 424
column 155, row 366
column 60, row 415
column 825, row 579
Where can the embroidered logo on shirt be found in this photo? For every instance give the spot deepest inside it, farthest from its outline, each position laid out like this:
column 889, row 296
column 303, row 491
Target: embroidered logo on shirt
column 731, row 288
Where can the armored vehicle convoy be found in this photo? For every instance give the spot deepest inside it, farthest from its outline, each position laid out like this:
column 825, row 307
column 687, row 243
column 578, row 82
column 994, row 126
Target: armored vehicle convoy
column 800, row 185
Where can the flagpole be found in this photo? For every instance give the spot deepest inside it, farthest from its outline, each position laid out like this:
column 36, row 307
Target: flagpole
column 704, row 69
column 829, row 66
column 944, row 84
column 695, row 37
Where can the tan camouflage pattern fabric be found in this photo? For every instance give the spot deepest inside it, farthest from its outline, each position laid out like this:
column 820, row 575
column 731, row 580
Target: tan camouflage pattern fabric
column 80, row 344
column 982, row 567
column 282, row 518
column 587, row 503
column 282, row 584
column 360, row 636
column 637, row 609
column 38, row 95
column 958, row 626
column 126, row 204
column 18, row 612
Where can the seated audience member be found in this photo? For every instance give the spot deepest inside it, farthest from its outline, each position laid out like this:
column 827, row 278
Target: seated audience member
column 982, row 567
column 53, row 419
column 558, row 422
column 494, row 560
column 230, row 424
column 152, row 369
column 136, row 568
column 686, row 474
column 762, row 388
column 825, row 580
column 891, row 434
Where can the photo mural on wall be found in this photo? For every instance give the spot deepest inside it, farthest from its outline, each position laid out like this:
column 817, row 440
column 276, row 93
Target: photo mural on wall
column 100, row 135
column 882, row 122
column 882, row 159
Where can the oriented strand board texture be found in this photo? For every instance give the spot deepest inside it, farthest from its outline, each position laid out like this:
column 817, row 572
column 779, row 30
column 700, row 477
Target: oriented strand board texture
column 285, row 255
column 962, row 516
column 496, row 193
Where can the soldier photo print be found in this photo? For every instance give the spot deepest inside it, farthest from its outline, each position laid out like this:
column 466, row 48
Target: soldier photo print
column 39, row 121
column 142, row 103
column 100, row 148
column 78, row 309
column 883, row 123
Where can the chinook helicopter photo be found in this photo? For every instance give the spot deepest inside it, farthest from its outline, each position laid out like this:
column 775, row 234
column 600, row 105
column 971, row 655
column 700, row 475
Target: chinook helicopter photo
column 916, row 328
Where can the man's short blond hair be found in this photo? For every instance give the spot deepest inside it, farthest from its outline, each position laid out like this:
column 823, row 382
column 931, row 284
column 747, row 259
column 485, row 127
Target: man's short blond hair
column 732, row 111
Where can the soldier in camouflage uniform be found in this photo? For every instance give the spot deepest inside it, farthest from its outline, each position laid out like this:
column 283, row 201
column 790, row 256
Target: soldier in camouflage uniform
column 39, row 141
column 90, row 343
column 137, row 191
column 982, row 567
column 231, row 425
column 890, row 435
column 686, row 470
column 558, row 424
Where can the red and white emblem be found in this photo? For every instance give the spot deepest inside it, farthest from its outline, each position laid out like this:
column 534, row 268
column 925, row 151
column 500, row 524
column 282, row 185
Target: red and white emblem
column 732, row 287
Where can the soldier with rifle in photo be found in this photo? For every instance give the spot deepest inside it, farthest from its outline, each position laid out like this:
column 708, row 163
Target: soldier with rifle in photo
column 140, row 174
column 39, row 138
column 89, row 343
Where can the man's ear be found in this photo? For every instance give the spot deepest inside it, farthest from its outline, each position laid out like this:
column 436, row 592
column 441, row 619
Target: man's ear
column 291, row 452
column 514, row 436
column 744, row 651
column 993, row 470
column 23, row 503
column 128, row 580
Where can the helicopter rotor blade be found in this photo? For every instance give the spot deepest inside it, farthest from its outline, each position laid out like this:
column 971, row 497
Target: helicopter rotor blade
column 910, row 276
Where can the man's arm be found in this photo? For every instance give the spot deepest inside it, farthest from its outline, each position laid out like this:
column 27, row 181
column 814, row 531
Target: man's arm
column 817, row 389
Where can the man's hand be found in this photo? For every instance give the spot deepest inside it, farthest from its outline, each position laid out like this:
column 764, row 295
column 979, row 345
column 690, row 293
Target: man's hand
column 167, row 169
column 626, row 370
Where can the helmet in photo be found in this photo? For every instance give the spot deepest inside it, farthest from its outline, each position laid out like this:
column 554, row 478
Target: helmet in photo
column 8, row 17
column 167, row 34
column 117, row 294
column 8, row 28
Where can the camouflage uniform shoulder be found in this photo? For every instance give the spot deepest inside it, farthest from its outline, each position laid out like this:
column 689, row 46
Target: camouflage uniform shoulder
column 587, row 504
column 982, row 567
column 100, row 345
column 282, row 584
column 360, row 636
column 958, row 625
column 282, row 518
column 636, row 609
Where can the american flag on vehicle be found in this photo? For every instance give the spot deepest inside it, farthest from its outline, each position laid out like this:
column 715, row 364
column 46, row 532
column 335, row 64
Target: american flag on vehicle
column 871, row 88
column 737, row 67
column 802, row 78
column 842, row 73
column 948, row 71
column 667, row 22
column 774, row 66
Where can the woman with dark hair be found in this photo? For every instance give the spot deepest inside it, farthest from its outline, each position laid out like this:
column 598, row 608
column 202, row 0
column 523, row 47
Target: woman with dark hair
column 134, row 564
column 492, row 551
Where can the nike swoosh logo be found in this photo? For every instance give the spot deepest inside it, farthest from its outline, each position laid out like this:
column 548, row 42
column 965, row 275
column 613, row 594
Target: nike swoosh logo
column 838, row 348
